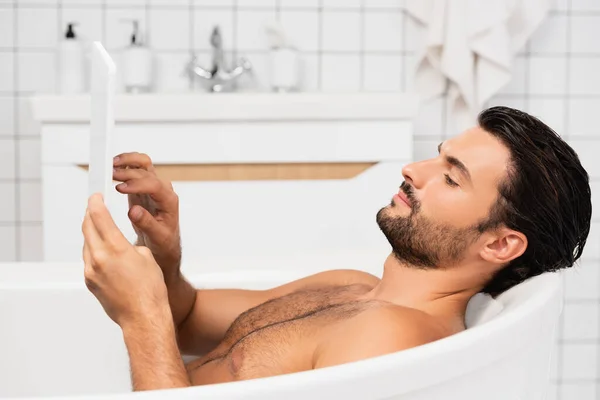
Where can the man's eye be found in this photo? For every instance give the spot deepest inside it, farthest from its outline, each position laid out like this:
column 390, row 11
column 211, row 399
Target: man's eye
column 450, row 181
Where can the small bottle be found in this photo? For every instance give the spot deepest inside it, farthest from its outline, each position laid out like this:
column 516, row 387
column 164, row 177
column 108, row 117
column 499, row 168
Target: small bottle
column 136, row 63
column 71, row 68
column 284, row 69
column 283, row 59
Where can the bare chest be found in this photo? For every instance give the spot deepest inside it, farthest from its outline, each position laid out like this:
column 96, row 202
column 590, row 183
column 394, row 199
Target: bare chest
column 278, row 336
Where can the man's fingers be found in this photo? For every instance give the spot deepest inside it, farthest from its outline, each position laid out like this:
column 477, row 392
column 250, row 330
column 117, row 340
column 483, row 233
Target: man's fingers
column 124, row 175
column 92, row 240
column 88, row 269
column 104, row 225
column 158, row 190
column 133, row 160
column 87, row 258
column 144, row 221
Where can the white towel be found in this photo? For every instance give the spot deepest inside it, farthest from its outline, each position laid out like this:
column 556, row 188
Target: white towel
column 470, row 45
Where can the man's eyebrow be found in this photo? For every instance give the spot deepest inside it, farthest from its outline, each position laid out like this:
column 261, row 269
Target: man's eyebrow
column 456, row 163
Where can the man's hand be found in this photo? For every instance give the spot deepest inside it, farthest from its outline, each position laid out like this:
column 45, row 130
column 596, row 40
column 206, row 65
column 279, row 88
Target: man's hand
column 153, row 209
column 125, row 279
column 129, row 284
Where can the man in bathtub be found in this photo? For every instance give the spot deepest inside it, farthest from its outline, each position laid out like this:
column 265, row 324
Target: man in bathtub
column 502, row 202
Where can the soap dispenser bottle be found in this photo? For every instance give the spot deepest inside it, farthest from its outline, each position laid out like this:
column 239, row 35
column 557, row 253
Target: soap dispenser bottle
column 284, row 61
column 137, row 63
column 71, row 68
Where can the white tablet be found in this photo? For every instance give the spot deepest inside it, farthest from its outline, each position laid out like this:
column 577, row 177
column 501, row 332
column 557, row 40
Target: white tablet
column 102, row 91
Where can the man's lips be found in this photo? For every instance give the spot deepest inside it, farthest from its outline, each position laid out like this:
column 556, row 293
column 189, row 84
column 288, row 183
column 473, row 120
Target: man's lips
column 402, row 196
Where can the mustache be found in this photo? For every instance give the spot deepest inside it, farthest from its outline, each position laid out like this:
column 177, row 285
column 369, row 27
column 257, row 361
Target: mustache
column 410, row 194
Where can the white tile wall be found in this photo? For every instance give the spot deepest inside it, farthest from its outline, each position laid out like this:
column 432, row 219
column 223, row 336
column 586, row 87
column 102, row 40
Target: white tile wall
column 299, row 3
column 580, row 112
column 346, row 45
column 7, row 83
column 581, row 322
column 582, row 282
column 592, row 250
column 250, row 29
column 584, row 27
column 577, row 391
column 7, row 202
column 37, row 27
column 383, row 73
column 341, row 31
column 7, row 22
column 169, row 29
column 36, row 72
column 579, row 361
column 549, row 77
column 549, row 110
column 30, row 242
column 7, row 159
column 340, row 72
column 7, row 112
column 295, row 22
column 584, row 76
column 384, row 31
column 8, row 244
column 552, row 36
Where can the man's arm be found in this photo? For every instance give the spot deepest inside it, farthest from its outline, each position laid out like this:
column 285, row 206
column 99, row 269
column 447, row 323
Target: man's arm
column 203, row 316
column 129, row 285
column 153, row 353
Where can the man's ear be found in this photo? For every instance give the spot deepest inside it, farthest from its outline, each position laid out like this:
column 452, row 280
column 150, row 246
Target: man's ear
column 504, row 246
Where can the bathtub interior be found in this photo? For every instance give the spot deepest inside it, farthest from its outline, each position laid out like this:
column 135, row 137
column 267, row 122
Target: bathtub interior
column 57, row 341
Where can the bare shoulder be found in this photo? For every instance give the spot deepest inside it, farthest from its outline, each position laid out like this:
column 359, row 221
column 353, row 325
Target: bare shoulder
column 336, row 277
column 376, row 332
column 345, row 277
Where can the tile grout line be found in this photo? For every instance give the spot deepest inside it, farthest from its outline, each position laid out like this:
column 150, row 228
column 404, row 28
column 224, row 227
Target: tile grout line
column 103, row 11
column 16, row 230
column 527, row 57
column 191, row 37
column 404, row 63
column 234, row 43
column 320, row 46
column 362, row 45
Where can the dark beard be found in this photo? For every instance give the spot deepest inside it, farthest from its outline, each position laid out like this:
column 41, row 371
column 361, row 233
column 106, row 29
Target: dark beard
column 422, row 243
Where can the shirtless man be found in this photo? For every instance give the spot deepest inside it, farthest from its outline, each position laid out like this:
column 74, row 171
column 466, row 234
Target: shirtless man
column 502, row 202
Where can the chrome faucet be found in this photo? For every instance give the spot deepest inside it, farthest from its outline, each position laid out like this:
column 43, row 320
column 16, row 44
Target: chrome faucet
column 218, row 78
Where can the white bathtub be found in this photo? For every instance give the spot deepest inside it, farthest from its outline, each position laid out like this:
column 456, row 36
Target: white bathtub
column 56, row 340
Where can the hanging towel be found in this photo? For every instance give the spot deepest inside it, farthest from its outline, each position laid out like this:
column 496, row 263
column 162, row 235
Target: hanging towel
column 470, row 46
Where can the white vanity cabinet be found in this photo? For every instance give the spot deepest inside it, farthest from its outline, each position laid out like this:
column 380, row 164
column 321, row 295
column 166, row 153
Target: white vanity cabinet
column 256, row 174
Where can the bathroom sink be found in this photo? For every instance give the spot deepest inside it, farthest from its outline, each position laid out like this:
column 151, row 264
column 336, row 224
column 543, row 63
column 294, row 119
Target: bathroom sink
column 231, row 107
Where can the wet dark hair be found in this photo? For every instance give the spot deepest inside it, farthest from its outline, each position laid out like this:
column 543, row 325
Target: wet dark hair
column 546, row 196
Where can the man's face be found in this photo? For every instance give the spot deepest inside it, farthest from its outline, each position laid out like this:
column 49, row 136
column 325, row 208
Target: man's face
column 450, row 196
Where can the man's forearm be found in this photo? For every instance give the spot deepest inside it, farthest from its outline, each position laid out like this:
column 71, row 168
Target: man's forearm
column 182, row 294
column 154, row 356
column 182, row 297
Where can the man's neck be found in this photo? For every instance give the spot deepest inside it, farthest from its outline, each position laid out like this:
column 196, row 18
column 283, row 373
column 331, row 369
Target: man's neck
column 445, row 290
